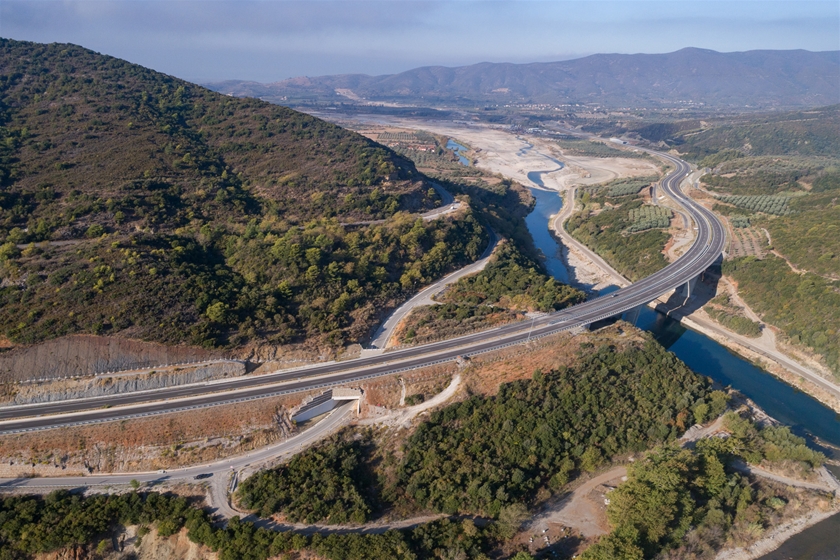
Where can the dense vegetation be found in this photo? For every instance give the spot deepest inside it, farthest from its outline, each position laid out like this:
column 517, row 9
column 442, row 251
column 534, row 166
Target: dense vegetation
column 441, row 160
column 485, row 454
column 175, row 214
column 803, row 133
column 739, row 222
column 761, row 183
column 620, row 187
column 587, row 148
column 694, row 500
column 212, row 288
column 635, row 255
column 329, row 483
column 489, row 455
column 827, row 181
column 779, row 174
column 806, row 307
column 513, row 283
column 31, row 525
column 87, row 136
column 510, row 285
column 811, row 238
column 649, row 217
column 767, row 444
column 732, row 316
column 777, row 205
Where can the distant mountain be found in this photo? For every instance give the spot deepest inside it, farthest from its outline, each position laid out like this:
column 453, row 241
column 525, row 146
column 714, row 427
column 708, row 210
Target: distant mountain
column 763, row 79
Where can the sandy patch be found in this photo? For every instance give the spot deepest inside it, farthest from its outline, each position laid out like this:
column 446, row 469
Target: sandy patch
column 403, row 417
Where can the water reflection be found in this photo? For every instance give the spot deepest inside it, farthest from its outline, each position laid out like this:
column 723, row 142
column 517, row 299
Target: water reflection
column 459, row 151
column 806, row 415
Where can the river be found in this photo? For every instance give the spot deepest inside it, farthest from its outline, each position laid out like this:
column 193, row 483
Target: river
column 459, row 151
column 806, row 416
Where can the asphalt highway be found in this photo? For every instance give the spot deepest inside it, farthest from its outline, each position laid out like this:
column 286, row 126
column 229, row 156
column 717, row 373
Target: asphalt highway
column 707, row 247
column 215, row 470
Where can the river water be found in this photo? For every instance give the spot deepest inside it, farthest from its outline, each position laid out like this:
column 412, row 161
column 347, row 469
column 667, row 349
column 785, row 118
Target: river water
column 459, row 151
column 807, row 416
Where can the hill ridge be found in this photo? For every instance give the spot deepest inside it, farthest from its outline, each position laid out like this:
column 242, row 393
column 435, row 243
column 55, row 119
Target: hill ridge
column 760, row 78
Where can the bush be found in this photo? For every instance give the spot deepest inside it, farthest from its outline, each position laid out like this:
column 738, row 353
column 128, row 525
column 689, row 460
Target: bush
column 94, row 231
column 486, row 453
column 326, row 484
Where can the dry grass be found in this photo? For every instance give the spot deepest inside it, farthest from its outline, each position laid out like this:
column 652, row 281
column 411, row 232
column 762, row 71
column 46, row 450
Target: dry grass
column 746, row 242
column 194, row 437
column 489, row 371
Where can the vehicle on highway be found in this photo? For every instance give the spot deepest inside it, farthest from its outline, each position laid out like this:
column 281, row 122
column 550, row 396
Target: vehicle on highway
column 203, row 475
column 706, row 248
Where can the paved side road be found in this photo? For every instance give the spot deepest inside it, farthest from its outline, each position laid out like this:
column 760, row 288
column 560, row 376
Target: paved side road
column 705, row 250
column 448, row 204
column 424, row 297
column 218, row 471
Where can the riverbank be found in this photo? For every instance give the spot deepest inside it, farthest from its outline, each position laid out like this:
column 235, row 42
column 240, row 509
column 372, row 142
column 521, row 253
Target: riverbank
column 512, row 156
column 589, row 271
column 778, row 536
column 747, row 349
column 703, row 347
column 584, row 271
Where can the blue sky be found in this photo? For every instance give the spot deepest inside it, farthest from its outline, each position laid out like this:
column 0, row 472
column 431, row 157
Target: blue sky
column 211, row 40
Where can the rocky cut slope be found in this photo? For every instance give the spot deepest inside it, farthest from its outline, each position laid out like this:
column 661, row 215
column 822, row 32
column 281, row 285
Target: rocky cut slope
column 139, row 205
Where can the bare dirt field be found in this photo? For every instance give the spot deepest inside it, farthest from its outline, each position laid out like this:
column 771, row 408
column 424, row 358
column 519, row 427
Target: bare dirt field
column 496, row 150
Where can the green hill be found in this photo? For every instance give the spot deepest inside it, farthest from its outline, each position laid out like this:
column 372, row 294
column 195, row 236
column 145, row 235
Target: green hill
column 800, row 133
column 778, row 174
column 136, row 204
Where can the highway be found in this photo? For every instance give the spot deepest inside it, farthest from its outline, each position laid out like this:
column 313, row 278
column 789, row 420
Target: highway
column 706, row 249
column 216, row 473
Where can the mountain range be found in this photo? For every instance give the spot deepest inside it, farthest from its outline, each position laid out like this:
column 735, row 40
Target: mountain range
column 691, row 76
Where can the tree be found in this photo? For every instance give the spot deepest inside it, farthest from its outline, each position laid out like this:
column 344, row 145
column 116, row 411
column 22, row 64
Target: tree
column 95, row 231
column 8, row 251
column 217, row 312
column 511, row 518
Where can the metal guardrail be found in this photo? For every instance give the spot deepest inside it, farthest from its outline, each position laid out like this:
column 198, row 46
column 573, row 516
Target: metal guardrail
column 543, row 331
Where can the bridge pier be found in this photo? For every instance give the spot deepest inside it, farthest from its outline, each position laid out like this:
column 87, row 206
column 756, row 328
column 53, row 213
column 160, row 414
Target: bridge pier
column 690, row 286
column 632, row 315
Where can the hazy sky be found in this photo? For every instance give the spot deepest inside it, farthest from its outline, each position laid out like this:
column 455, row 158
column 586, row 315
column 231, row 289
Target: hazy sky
column 209, row 40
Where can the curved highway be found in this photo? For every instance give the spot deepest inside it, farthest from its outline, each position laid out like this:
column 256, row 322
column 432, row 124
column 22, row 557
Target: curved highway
column 706, row 249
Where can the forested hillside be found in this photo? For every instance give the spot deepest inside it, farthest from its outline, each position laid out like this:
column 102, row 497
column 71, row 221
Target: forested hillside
column 776, row 178
column 136, row 204
column 692, row 502
column 489, row 455
column 803, row 133
column 86, row 527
